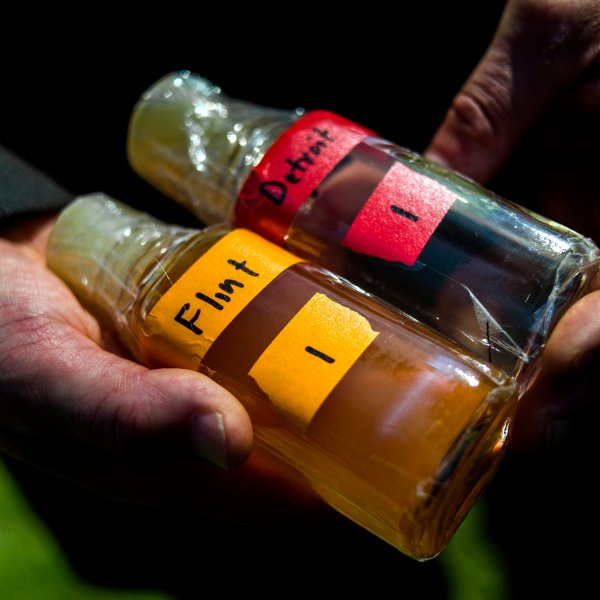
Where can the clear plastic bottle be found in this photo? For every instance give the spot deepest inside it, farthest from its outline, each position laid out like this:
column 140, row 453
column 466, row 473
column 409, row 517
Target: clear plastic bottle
column 389, row 423
column 489, row 275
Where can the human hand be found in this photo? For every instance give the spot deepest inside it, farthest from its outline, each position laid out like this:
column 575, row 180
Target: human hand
column 543, row 51
column 540, row 76
column 73, row 405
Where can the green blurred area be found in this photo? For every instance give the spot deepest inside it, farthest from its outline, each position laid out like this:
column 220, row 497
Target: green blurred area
column 32, row 564
column 472, row 563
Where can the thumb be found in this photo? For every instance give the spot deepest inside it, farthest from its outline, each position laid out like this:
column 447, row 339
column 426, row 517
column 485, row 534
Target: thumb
column 96, row 397
column 57, row 381
column 568, row 379
column 539, row 49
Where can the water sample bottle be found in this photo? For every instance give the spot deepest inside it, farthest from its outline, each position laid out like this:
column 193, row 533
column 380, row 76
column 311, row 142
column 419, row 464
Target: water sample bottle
column 389, row 423
column 486, row 273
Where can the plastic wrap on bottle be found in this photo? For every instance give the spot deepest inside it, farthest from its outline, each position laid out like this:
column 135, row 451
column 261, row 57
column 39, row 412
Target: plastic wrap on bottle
column 489, row 275
column 390, row 423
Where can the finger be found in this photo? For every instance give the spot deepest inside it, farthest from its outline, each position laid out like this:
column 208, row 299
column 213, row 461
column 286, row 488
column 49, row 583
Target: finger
column 567, row 378
column 576, row 339
column 539, row 49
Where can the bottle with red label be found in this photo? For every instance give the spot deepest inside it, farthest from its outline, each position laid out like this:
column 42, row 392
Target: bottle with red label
column 388, row 422
column 487, row 274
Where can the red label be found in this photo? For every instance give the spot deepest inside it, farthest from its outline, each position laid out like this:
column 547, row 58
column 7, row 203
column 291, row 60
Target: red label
column 292, row 169
column 400, row 216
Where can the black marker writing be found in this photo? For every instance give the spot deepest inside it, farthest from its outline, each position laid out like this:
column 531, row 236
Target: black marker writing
column 227, row 285
column 404, row 213
column 228, row 288
column 319, row 354
column 209, row 300
column 243, row 267
column 276, row 191
column 188, row 324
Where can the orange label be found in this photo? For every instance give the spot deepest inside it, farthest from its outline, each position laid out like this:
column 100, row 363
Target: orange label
column 185, row 322
column 309, row 357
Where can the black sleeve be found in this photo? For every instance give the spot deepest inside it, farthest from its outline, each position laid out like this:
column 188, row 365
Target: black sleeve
column 24, row 189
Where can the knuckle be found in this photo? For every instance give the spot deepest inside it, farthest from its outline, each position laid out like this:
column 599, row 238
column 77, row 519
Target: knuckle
column 122, row 421
column 479, row 113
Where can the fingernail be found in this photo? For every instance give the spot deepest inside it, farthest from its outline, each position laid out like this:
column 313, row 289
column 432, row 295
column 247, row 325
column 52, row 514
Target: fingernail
column 208, row 438
column 438, row 159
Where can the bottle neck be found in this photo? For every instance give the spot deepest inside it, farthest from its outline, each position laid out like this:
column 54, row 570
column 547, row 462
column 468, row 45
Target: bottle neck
column 107, row 253
column 254, row 138
column 132, row 266
column 197, row 145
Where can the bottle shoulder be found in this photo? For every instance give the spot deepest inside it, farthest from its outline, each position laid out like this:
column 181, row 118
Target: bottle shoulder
column 171, row 264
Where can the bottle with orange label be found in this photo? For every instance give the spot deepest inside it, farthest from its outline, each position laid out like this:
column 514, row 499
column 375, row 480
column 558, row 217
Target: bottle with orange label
column 489, row 275
column 389, row 423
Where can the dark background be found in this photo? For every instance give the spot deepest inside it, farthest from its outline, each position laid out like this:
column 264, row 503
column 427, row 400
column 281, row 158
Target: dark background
column 68, row 85
column 67, row 94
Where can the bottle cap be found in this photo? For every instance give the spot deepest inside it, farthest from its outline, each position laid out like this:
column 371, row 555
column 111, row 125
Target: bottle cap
column 196, row 145
column 101, row 248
